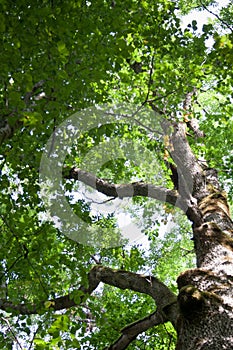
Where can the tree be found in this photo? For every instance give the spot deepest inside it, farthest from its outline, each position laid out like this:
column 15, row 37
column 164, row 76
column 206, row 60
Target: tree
column 102, row 58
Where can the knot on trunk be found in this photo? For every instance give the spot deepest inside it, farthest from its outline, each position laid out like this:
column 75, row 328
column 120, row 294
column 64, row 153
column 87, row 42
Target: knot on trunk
column 191, row 301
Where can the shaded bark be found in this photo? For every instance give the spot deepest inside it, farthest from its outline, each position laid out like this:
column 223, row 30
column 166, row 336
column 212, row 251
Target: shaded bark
column 205, row 293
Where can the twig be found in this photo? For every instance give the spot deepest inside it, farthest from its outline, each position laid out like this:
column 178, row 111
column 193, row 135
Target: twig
column 217, row 16
column 11, row 331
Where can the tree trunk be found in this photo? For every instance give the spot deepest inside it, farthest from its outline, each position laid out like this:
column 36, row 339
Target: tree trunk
column 205, row 297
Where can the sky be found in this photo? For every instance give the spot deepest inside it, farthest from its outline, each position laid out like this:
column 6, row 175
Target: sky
column 202, row 16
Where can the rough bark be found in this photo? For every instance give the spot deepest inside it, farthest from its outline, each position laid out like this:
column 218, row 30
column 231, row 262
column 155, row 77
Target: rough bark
column 205, row 293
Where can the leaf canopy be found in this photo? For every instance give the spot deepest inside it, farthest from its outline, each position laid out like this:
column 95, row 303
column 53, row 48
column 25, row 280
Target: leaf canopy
column 61, row 57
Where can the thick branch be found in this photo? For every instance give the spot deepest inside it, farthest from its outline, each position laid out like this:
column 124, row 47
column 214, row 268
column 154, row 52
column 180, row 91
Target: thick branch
column 125, row 190
column 193, row 124
column 139, row 283
column 165, row 300
column 189, row 170
column 149, row 285
column 130, row 332
column 137, row 189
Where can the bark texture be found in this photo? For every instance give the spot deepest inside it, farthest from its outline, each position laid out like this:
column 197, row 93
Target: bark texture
column 205, row 293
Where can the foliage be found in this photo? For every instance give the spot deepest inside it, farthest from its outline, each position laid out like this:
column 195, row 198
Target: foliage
column 60, row 57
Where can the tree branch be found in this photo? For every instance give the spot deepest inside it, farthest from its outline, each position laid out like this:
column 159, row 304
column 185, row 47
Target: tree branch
column 149, row 285
column 130, row 332
column 137, row 189
column 164, row 298
column 189, row 169
column 125, row 190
